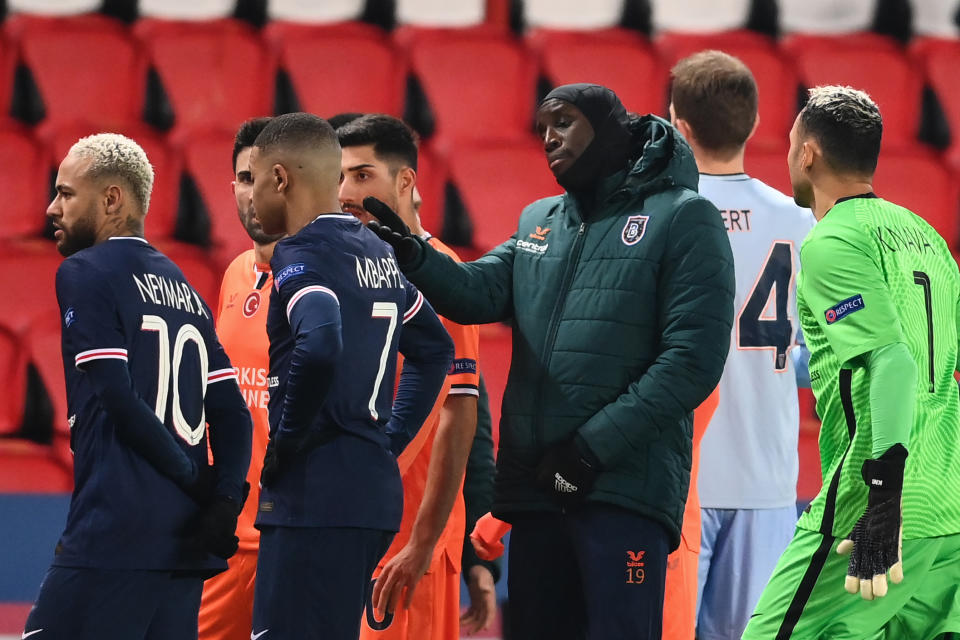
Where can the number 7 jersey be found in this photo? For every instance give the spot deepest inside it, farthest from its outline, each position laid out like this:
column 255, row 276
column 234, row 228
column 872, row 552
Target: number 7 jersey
column 353, row 479
column 875, row 274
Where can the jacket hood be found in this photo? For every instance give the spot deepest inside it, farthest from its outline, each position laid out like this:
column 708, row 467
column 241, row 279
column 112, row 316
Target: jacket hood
column 661, row 158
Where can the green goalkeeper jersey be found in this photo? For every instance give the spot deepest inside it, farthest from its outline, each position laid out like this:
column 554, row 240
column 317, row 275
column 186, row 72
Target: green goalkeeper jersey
column 873, row 273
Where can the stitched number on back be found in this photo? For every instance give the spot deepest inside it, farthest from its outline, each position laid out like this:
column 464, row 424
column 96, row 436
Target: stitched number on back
column 922, row 279
column 763, row 322
column 187, row 333
column 388, row 311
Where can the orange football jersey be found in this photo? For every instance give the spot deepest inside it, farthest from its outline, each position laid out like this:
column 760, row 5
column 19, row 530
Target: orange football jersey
column 242, row 328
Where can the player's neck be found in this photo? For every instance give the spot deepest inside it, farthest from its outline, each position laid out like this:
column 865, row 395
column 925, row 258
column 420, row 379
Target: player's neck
column 825, row 196
column 411, row 219
column 303, row 211
column 708, row 162
column 263, row 253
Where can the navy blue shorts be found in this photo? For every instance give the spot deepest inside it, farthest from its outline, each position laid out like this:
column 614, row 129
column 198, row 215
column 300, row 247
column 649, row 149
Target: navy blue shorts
column 314, row 582
column 81, row 604
column 596, row 572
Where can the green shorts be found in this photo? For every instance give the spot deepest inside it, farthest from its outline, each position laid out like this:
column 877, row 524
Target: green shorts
column 805, row 598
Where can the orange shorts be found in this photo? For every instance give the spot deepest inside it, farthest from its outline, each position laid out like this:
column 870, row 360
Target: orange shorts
column 226, row 608
column 680, row 594
column 434, row 613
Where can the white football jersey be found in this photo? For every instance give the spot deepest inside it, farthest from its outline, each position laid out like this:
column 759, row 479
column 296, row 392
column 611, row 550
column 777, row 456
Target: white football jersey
column 748, row 456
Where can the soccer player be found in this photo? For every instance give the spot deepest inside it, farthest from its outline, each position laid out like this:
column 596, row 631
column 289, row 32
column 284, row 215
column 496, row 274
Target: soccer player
column 339, row 311
column 748, row 509
column 226, row 610
column 380, row 160
column 878, row 297
column 145, row 375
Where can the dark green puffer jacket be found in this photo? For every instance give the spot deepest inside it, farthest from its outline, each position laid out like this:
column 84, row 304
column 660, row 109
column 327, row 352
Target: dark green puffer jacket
column 621, row 324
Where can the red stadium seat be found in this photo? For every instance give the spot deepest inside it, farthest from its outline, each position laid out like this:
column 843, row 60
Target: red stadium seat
column 207, row 159
column 162, row 216
column 216, row 73
column 620, row 60
column 941, row 61
column 870, row 63
column 769, row 165
column 23, row 182
column 30, row 284
column 196, row 266
column 7, row 64
column 431, row 183
column 479, row 86
column 335, row 70
column 26, row 467
column 919, row 182
column 496, row 181
column 776, row 79
column 13, row 368
column 49, row 48
column 43, row 343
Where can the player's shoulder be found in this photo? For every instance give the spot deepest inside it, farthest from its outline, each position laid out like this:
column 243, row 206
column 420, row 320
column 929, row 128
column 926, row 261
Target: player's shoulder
column 242, row 264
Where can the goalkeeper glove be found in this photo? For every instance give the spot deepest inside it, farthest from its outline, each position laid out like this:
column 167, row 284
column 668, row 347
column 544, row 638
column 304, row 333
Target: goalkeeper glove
column 875, row 543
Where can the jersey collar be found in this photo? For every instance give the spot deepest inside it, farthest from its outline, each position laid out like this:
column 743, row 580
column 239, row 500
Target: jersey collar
column 143, row 240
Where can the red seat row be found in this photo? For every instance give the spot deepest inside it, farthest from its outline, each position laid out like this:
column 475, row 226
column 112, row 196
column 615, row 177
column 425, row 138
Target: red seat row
column 480, row 82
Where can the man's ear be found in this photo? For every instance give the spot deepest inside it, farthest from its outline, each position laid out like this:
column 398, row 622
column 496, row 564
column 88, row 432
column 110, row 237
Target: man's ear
column 281, row 178
column 810, row 150
column 756, row 123
column 406, row 181
column 684, row 128
column 113, row 199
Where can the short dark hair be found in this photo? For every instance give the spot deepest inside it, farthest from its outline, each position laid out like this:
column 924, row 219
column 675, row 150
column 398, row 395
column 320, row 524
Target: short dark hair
column 391, row 138
column 297, row 130
column 847, row 125
column 341, row 119
column 717, row 95
column 246, row 135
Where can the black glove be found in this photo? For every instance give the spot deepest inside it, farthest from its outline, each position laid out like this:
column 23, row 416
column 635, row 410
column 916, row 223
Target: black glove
column 215, row 529
column 280, row 450
column 875, row 543
column 394, row 231
column 566, row 472
column 271, row 464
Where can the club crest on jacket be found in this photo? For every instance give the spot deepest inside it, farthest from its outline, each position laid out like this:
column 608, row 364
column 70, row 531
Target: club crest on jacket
column 634, row 229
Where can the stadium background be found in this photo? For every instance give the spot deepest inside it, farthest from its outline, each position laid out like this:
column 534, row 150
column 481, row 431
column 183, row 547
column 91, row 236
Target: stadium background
column 179, row 76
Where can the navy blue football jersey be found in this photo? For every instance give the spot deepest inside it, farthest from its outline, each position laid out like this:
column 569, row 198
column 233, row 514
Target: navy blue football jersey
column 353, row 479
column 125, row 300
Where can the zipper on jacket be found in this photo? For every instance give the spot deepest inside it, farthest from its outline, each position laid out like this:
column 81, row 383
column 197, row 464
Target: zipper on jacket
column 554, row 325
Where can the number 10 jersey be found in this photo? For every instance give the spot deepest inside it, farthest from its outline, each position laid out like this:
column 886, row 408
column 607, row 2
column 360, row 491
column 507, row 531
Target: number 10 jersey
column 122, row 299
column 748, row 455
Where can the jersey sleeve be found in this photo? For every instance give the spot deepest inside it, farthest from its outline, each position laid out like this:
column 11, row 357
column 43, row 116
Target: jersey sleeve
column 295, row 277
column 92, row 327
column 463, row 375
column 849, row 297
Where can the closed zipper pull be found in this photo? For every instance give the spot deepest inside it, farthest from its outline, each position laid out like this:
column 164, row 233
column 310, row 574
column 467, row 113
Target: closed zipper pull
column 583, row 227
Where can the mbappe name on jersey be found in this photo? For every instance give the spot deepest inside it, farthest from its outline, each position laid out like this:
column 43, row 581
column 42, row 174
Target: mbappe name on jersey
column 378, row 273
column 170, row 293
